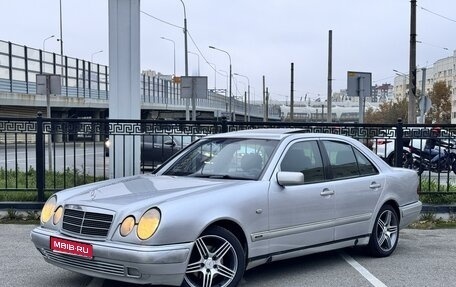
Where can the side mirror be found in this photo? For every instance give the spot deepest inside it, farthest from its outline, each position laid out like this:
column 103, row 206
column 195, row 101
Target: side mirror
column 285, row 178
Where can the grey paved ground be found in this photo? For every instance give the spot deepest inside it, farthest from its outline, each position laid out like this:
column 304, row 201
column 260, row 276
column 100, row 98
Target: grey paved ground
column 423, row 258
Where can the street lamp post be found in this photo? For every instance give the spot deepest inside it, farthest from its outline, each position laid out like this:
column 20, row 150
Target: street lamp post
column 225, row 73
column 61, row 32
column 187, row 104
column 248, row 93
column 93, row 54
column 174, row 54
column 193, row 53
column 231, row 75
column 215, row 76
column 44, row 41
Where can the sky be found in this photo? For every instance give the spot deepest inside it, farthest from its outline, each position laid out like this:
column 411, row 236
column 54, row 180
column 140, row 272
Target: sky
column 263, row 38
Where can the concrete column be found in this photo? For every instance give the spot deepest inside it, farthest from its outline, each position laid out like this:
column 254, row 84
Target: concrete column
column 124, row 82
column 96, row 135
column 58, row 136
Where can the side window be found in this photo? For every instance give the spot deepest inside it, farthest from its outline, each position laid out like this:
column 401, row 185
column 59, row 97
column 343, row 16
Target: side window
column 342, row 159
column 365, row 166
column 304, row 157
column 346, row 161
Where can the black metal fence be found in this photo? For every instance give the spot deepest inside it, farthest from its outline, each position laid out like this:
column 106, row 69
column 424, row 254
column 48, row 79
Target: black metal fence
column 39, row 156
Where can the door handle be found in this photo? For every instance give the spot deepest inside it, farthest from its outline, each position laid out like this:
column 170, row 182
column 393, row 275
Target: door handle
column 375, row 185
column 326, row 192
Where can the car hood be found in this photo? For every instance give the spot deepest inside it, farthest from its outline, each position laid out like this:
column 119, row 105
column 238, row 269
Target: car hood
column 139, row 191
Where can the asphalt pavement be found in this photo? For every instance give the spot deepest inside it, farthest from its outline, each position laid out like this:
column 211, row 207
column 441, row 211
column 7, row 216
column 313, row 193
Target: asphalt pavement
column 422, row 258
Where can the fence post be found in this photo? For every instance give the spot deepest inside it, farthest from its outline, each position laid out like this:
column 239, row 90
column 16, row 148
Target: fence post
column 40, row 169
column 399, row 145
column 224, row 125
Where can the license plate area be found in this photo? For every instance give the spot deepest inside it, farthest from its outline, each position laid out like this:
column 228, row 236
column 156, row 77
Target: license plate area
column 71, row 247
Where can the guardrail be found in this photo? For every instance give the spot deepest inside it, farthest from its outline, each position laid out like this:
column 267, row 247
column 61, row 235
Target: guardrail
column 39, row 156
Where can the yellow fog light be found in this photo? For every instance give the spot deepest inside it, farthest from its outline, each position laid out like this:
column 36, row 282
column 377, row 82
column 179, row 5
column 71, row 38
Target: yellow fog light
column 148, row 223
column 48, row 209
column 57, row 215
column 127, row 225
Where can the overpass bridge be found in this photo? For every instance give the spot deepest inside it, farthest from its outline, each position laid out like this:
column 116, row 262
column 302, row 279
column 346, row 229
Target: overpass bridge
column 85, row 90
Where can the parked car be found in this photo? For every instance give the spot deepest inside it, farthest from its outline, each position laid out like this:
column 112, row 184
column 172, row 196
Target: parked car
column 230, row 202
column 157, row 148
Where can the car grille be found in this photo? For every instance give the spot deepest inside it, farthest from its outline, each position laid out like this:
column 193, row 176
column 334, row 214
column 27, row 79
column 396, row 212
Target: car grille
column 85, row 264
column 86, row 223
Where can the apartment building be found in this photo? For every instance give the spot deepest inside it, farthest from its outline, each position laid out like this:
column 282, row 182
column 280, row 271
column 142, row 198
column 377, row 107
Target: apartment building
column 442, row 70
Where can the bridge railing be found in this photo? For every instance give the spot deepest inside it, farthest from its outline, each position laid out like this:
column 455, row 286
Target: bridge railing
column 19, row 66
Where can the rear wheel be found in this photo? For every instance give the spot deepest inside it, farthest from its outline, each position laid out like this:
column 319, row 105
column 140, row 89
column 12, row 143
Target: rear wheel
column 385, row 234
column 391, row 159
column 217, row 259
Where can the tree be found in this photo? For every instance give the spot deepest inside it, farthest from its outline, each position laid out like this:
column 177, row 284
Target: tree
column 388, row 112
column 440, row 111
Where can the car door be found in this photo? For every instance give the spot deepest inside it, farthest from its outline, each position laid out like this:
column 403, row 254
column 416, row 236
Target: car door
column 301, row 215
column 357, row 188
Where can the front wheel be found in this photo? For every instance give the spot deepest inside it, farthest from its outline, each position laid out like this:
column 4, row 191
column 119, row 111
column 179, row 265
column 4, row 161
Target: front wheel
column 453, row 165
column 385, row 233
column 217, row 259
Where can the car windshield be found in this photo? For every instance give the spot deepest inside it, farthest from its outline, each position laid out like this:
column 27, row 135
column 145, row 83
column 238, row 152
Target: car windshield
column 229, row 158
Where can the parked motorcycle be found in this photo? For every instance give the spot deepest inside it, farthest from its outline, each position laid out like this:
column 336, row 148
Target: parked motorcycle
column 421, row 160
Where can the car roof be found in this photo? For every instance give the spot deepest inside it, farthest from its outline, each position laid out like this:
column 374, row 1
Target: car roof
column 272, row 133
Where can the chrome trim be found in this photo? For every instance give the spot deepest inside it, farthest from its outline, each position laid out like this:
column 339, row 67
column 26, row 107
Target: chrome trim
column 309, row 227
column 69, row 225
column 87, row 264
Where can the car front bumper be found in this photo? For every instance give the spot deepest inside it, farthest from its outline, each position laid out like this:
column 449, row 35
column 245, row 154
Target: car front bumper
column 165, row 264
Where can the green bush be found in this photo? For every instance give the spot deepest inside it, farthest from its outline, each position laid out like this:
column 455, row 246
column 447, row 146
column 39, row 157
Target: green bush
column 428, row 186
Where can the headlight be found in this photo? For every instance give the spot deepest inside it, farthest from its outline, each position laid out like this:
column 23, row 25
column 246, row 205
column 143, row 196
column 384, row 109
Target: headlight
column 48, row 209
column 148, row 223
column 57, row 215
column 107, row 143
column 127, row 226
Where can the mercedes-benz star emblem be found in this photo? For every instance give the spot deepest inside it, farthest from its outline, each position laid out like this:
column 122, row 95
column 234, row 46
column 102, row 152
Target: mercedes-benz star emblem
column 92, row 194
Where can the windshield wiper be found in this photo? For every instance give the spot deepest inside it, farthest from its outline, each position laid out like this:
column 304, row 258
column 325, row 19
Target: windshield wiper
column 221, row 176
column 226, row 176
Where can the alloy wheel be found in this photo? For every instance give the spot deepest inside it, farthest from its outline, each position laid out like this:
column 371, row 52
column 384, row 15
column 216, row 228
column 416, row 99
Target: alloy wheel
column 214, row 262
column 387, row 230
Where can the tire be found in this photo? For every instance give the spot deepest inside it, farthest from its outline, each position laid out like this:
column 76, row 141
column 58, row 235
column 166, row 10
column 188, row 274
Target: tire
column 407, row 160
column 217, row 259
column 385, row 233
column 390, row 160
column 420, row 167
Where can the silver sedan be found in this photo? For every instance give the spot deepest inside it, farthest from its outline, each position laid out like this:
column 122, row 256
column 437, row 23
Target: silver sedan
column 230, row 202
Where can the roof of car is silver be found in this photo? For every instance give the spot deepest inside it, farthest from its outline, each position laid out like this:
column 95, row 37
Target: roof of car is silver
column 271, row 133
